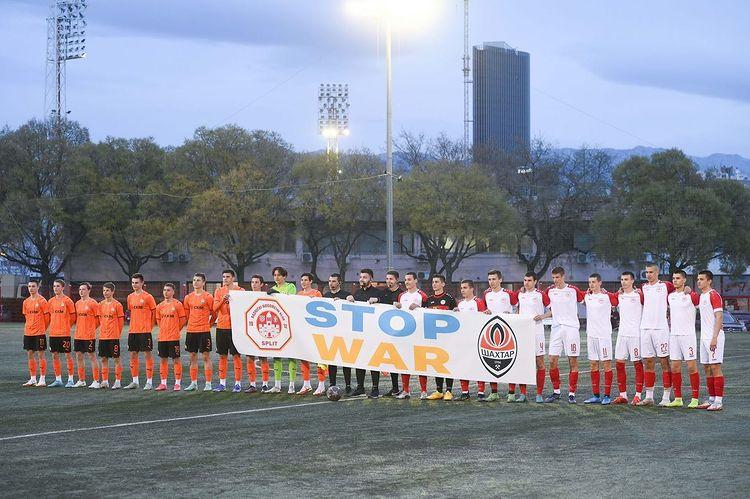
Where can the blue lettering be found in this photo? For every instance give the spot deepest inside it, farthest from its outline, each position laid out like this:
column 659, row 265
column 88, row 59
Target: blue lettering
column 435, row 324
column 320, row 318
column 410, row 325
column 358, row 313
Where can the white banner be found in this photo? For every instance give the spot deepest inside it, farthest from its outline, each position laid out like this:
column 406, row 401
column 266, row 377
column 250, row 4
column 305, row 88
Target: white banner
column 459, row 345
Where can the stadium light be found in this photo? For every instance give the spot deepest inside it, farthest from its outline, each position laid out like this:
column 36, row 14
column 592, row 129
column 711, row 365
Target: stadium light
column 333, row 114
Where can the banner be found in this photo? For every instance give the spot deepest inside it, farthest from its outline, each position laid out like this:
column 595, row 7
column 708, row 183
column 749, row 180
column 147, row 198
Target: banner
column 459, row 345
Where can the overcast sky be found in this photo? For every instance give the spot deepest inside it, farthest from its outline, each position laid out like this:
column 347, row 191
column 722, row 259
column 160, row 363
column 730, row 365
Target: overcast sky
column 610, row 74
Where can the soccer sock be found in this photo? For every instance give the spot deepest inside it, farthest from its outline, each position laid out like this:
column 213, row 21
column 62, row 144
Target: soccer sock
column 493, row 387
column 95, row 369
column 251, row 373
column 32, row 367
column 81, row 371
column 118, row 372
column 321, row 373
column 56, row 367
column 305, row 368
column 105, row 372
column 594, row 383
column 163, row 370
column 394, row 381
column 223, row 361
column 666, row 380
column 622, row 378
column 134, row 368
column 208, row 370
column 70, row 366
column 464, row 386
column 439, row 384
column 480, row 386
column 554, row 376
column 449, row 384
column 149, row 368
column 511, row 388
column 719, row 387
column 177, row 371
column 608, row 375
column 639, row 375
column 42, row 366
column 347, row 376
column 573, row 382
column 541, row 374
column 677, row 384
column 292, row 371
column 695, row 384
column 332, row 370
column 423, row 383
column 375, row 376
column 360, row 373
column 405, row 378
column 650, row 380
column 710, row 387
column 263, row 369
column 237, row 364
column 193, row 374
column 523, row 389
column 277, row 365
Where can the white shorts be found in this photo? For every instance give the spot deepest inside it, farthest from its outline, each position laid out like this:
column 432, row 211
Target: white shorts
column 682, row 347
column 654, row 343
column 628, row 348
column 709, row 357
column 565, row 338
column 599, row 348
column 540, row 351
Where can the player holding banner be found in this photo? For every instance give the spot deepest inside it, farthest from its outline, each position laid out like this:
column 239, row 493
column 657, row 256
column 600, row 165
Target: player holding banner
column 532, row 303
column 410, row 299
column 469, row 303
column 224, row 342
column 499, row 301
column 256, row 284
column 305, row 282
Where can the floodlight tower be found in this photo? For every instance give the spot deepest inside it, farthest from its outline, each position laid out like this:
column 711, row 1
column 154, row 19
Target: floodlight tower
column 66, row 41
column 333, row 114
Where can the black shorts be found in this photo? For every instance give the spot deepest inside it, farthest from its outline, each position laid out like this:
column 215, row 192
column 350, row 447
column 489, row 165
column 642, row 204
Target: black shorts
column 35, row 343
column 140, row 342
column 169, row 349
column 198, row 342
column 224, row 343
column 59, row 344
column 109, row 349
column 85, row 346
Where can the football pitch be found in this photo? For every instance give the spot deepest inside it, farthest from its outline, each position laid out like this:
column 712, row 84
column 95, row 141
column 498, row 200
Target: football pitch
column 135, row 443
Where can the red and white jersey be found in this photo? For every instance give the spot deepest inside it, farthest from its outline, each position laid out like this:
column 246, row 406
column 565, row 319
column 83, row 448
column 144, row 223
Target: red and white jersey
column 532, row 303
column 631, row 310
column 408, row 297
column 500, row 301
column 472, row 305
column 682, row 313
column 710, row 303
column 564, row 304
column 599, row 314
column 655, row 304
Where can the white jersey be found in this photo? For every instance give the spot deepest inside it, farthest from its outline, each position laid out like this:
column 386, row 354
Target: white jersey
column 599, row 314
column 710, row 303
column 655, row 305
column 532, row 303
column 564, row 304
column 501, row 301
column 408, row 297
column 631, row 310
column 682, row 314
column 473, row 305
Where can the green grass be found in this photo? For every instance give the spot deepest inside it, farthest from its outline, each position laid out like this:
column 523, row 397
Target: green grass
column 364, row 447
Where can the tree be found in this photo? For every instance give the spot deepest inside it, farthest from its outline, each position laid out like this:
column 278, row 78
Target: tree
column 662, row 206
column 45, row 181
column 555, row 197
column 734, row 252
column 454, row 211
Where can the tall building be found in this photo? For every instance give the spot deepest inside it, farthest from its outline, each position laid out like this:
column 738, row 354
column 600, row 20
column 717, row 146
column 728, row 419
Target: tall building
column 501, row 97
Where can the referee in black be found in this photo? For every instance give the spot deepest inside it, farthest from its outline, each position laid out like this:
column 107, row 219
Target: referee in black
column 335, row 292
column 367, row 292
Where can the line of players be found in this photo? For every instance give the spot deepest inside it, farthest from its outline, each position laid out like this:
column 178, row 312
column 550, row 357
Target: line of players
column 645, row 334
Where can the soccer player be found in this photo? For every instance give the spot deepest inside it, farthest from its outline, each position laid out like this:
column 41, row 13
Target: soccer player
column 142, row 308
column 367, row 292
column 171, row 318
column 531, row 303
column 599, row 303
column 305, row 282
column 389, row 297
column 256, row 284
column 442, row 301
column 36, row 312
column 712, row 340
column 111, row 321
column 84, row 342
column 682, row 341
column 469, row 303
column 62, row 313
column 499, row 301
column 566, row 337
column 335, row 292
column 224, row 342
column 410, row 299
column 286, row 288
column 655, row 334
column 199, row 306
column 628, row 345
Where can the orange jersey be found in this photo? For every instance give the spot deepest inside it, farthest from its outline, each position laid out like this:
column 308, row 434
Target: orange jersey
column 313, row 293
column 224, row 321
column 199, row 309
column 88, row 320
column 111, row 318
column 62, row 313
column 141, row 308
column 35, row 309
column 170, row 316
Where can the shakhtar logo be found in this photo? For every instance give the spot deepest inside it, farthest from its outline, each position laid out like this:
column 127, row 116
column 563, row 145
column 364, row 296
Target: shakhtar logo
column 497, row 347
column 267, row 324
